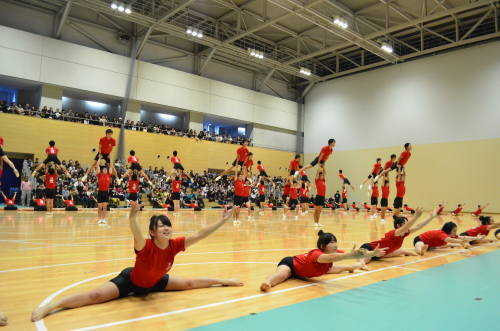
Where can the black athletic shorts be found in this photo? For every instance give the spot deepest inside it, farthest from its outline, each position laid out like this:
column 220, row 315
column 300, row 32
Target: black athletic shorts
column 236, row 162
column 394, row 165
column 292, row 172
column 178, row 166
column 102, row 156
column 346, row 181
column 292, row 203
column 239, row 200
column 133, row 196
column 71, row 208
column 369, row 247
column 50, row 193
column 102, row 196
column 304, row 199
column 261, row 198
column 344, row 200
column 52, row 158
column 135, row 166
column 319, row 200
column 2, row 153
column 127, row 288
column 263, row 173
column 384, row 202
column 416, row 240
column 316, row 160
column 11, row 207
column 374, row 201
column 176, row 195
column 398, row 202
column 288, row 261
column 305, row 178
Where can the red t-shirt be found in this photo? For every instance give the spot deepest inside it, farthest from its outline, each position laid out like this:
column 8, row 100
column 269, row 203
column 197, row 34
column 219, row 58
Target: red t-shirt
column 483, row 229
column 341, row 176
column 375, row 191
column 388, row 165
column 478, row 211
column 366, row 206
column 246, row 190
column 51, row 150
column 294, row 164
column 260, row 167
column 152, row 263
column 404, row 157
column 176, row 186
column 344, row 194
column 242, row 153
column 133, row 186
column 385, row 191
column 106, row 144
column 50, row 181
column 286, row 189
column 239, row 188
column 353, row 205
column 320, row 187
column 103, row 181
column 390, row 241
column 377, row 167
column 434, row 238
column 9, row 202
column 69, row 203
column 400, row 189
column 262, row 189
column 408, row 208
column 133, row 159
column 293, row 193
column 40, row 202
column 307, row 265
column 303, row 192
column 458, row 210
column 175, row 159
column 248, row 164
column 325, row 153
column 1, row 141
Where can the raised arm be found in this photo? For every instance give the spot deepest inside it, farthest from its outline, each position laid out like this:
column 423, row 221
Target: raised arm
column 353, row 254
column 206, row 231
column 139, row 241
column 14, row 197
column 426, row 221
column 407, row 226
column 3, row 195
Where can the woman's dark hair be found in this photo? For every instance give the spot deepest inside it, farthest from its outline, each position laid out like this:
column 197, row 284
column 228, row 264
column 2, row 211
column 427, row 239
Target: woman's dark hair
column 109, row 131
column 324, row 238
column 134, row 177
column 448, row 227
column 258, row 162
column 52, row 143
column 174, row 153
column 407, row 145
column 393, row 156
column 132, row 152
column 485, row 220
column 331, row 141
column 340, row 171
column 497, row 232
column 297, row 156
column 379, row 159
column 51, row 171
column 399, row 221
column 153, row 222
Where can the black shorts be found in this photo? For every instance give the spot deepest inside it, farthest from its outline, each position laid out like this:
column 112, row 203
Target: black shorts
column 315, row 161
column 304, row 178
column 292, row 172
column 369, row 247
column 416, row 240
column 135, row 166
column 384, row 202
column 344, row 200
column 102, row 156
column 50, row 193
column 398, row 202
column 11, row 207
column 319, row 200
column 346, row 181
column 261, row 198
column 133, row 196
column 102, row 196
column 127, row 288
column 2, row 153
column 52, row 158
column 288, row 261
column 176, row 195
column 263, row 174
column 239, row 200
column 284, row 197
column 236, row 162
column 304, row 199
column 178, row 166
column 293, row 203
column 71, row 208
column 374, row 201
column 394, row 165
column 372, row 175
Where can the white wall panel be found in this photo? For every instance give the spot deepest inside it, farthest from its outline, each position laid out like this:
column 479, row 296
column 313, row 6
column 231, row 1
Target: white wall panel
column 20, row 40
column 173, row 77
column 231, row 108
column 273, row 139
column 448, row 97
column 19, row 64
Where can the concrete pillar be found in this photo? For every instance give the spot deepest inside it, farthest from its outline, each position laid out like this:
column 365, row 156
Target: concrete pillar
column 133, row 112
column 195, row 121
column 51, row 96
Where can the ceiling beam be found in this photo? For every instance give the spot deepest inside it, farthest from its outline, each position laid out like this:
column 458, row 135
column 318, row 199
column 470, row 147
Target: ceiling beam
column 63, row 19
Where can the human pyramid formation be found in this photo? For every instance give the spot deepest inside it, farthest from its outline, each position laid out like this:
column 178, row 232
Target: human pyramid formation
column 155, row 255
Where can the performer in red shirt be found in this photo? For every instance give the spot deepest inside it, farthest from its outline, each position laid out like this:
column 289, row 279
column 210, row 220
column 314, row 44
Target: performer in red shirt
column 323, row 156
column 4, row 158
column 261, row 169
column 154, row 259
column 241, row 156
column 240, row 198
column 400, row 192
column 317, row 262
column 51, row 151
column 175, row 192
column 319, row 200
column 384, row 202
column 10, row 204
column 393, row 240
column 344, row 179
column 249, row 163
column 176, row 162
column 104, row 176
column 261, row 199
column 376, row 170
column 50, row 181
column 374, row 200
column 294, row 165
column 481, row 231
column 293, row 201
column 343, row 194
column 479, row 210
column 447, row 237
column 70, row 204
column 304, row 197
column 133, row 187
column 401, row 162
column 354, row 206
column 408, row 209
column 458, row 210
column 106, row 145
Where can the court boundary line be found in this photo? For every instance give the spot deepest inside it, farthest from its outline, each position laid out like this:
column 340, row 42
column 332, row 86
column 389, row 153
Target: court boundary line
column 40, row 325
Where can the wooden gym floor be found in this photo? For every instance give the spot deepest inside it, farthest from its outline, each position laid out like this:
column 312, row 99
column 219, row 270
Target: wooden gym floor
column 45, row 256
